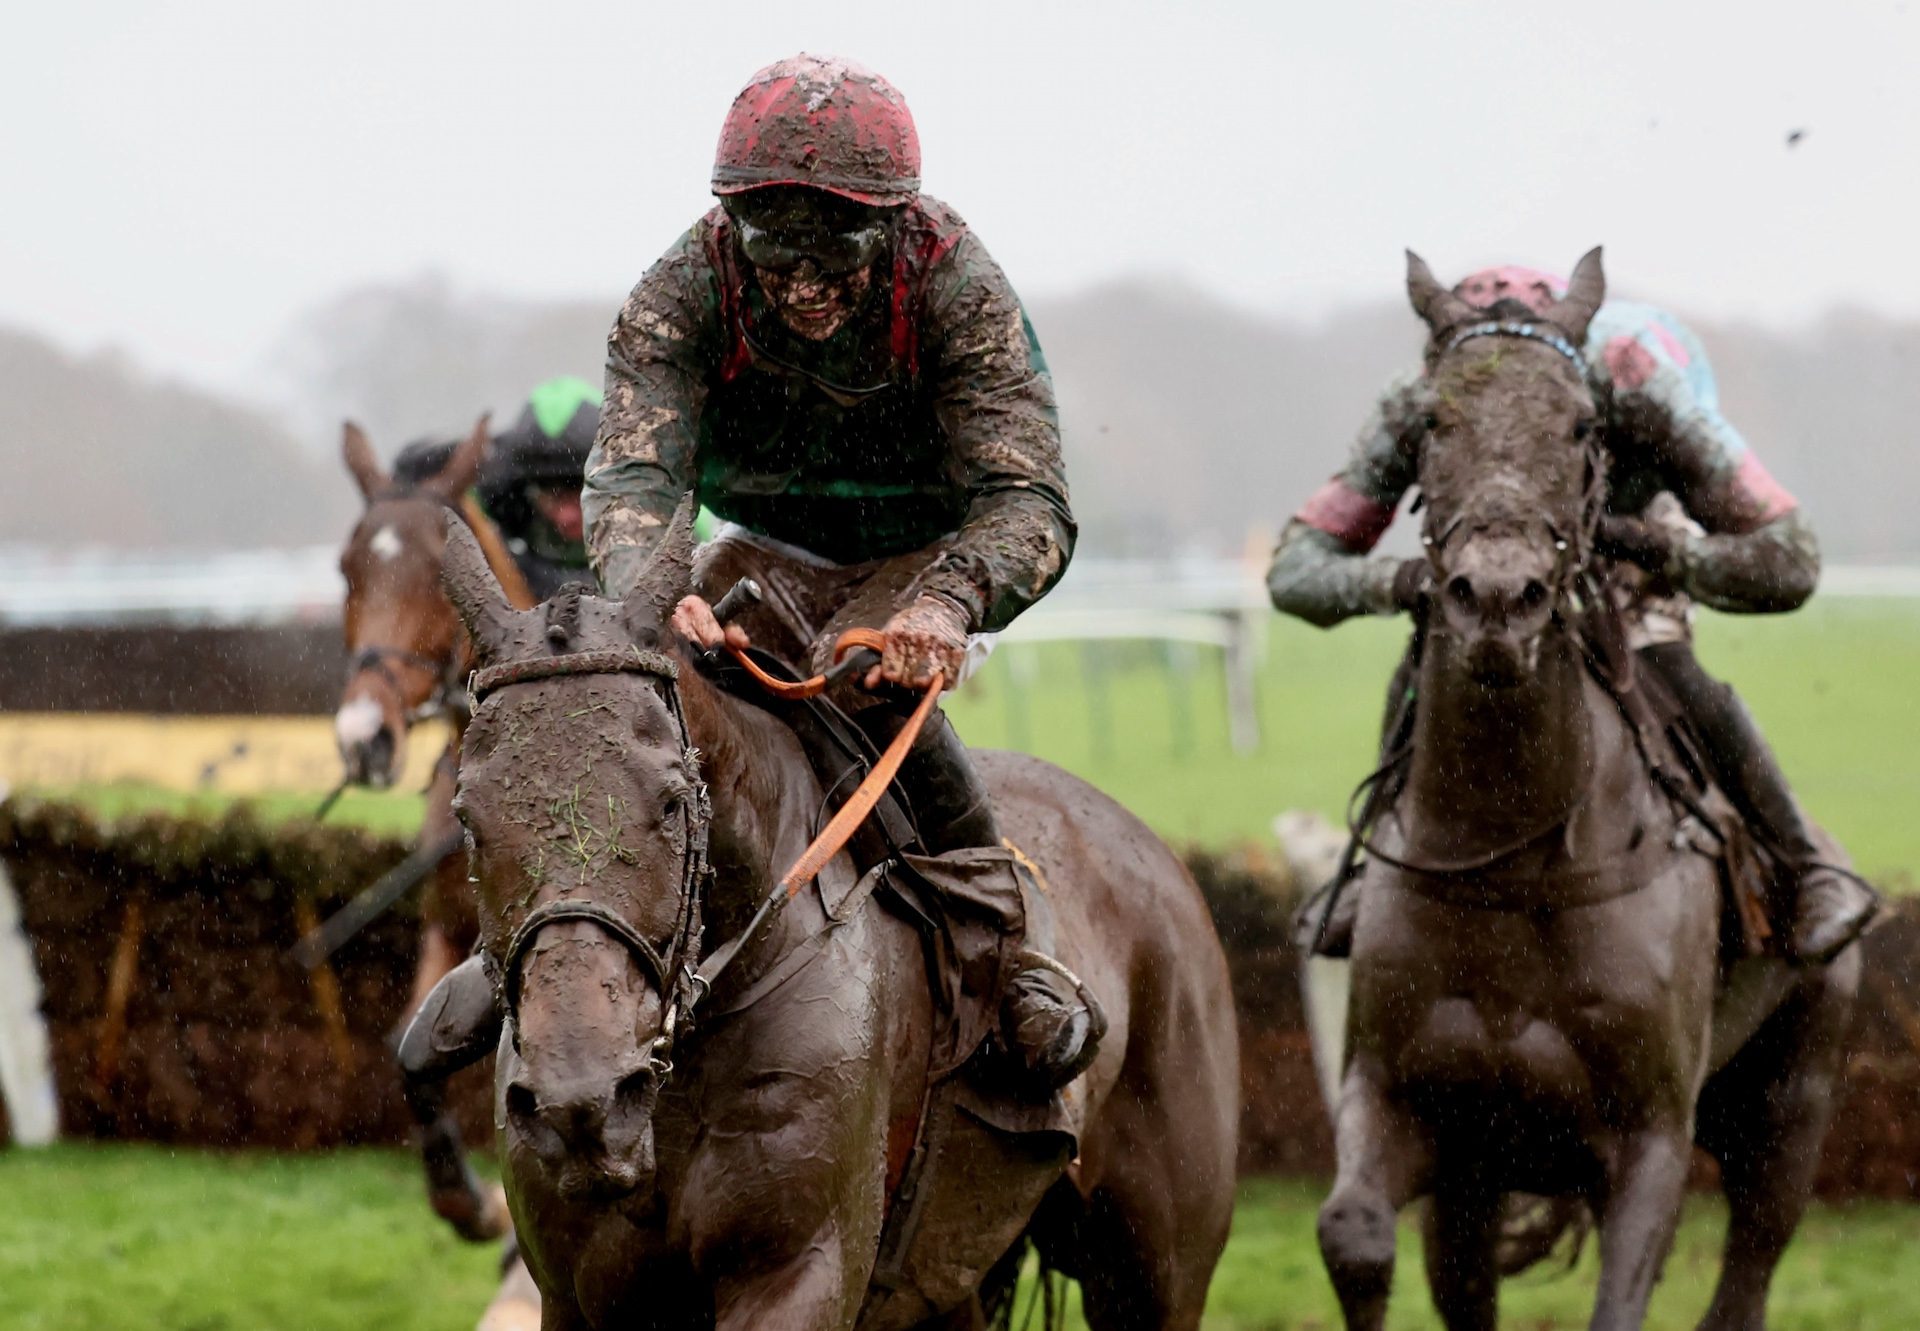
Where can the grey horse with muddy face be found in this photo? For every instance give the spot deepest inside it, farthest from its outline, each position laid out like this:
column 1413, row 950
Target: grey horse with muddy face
column 1540, row 1001
column 684, row 1158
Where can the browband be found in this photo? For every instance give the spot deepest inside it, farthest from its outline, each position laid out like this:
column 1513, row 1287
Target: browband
column 629, row 660
column 1534, row 332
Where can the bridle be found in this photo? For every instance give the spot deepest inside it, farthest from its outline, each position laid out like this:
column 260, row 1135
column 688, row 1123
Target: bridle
column 1574, row 550
column 684, row 978
column 673, row 966
column 448, row 694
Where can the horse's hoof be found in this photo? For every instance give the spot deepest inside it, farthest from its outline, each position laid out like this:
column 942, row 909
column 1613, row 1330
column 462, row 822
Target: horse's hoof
column 510, row 1313
column 478, row 1216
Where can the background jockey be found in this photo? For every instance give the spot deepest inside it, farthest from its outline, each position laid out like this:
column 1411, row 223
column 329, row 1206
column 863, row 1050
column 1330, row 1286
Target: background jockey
column 833, row 363
column 1692, row 516
column 530, row 483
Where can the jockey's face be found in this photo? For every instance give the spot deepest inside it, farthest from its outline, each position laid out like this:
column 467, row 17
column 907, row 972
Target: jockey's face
column 813, row 253
column 560, row 506
column 813, row 304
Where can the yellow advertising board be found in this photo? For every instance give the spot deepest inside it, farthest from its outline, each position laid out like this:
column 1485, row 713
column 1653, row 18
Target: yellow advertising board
column 230, row 755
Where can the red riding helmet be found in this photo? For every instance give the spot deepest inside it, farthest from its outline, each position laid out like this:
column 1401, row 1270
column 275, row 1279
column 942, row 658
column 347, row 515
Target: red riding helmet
column 823, row 122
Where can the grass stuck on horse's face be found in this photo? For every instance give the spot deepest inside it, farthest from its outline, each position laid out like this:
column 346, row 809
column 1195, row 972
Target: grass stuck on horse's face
column 583, row 805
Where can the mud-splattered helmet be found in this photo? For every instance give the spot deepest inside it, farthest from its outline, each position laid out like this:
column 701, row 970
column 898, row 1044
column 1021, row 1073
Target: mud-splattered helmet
column 1531, row 287
column 821, row 122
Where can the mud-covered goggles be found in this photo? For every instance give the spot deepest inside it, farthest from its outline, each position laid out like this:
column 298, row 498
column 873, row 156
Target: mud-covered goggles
column 783, row 234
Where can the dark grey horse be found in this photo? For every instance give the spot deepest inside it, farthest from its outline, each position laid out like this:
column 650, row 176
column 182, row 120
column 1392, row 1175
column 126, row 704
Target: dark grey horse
column 1536, row 961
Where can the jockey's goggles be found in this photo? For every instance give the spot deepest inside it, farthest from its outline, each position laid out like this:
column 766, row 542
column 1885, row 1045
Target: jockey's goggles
column 781, row 234
column 834, row 253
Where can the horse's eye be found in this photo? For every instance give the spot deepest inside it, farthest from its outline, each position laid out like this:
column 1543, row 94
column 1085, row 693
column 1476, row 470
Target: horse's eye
column 1431, row 421
column 1582, row 428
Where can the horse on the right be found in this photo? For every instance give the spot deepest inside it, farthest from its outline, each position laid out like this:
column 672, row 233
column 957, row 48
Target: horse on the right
column 1558, row 981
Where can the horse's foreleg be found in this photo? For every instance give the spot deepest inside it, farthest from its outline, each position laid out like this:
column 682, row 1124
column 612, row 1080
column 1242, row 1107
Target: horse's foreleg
column 1764, row 1116
column 808, row 1293
column 456, row 1026
column 449, row 920
column 1384, row 1162
column 1461, row 1271
column 1646, row 1180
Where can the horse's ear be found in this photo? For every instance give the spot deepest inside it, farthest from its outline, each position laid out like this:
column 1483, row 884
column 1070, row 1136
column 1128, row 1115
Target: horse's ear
column 463, row 464
column 1585, row 290
column 1432, row 302
column 474, row 591
column 362, row 463
column 668, row 574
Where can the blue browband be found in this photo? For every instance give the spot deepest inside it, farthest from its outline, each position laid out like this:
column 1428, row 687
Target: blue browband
column 1519, row 328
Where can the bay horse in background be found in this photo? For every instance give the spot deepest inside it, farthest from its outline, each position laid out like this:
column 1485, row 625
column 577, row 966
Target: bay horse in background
column 725, row 1152
column 408, row 659
column 1540, row 1002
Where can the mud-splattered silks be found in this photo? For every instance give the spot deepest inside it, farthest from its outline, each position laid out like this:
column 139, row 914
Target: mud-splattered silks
column 1660, row 421
column 928, row 422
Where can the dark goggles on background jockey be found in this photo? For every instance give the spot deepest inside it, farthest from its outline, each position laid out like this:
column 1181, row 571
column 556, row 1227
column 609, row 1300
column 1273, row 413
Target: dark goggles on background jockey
column 783, row 233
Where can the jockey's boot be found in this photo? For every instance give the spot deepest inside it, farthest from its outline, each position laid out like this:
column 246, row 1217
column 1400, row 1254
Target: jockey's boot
column 1832, row 906
column 457, row 1025
column 1043, row 1020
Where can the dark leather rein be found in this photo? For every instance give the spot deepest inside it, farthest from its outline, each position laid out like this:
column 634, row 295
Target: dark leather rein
column 674, row 967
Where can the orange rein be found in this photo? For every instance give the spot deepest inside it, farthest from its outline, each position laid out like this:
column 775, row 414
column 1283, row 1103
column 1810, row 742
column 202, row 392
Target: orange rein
column 840, row 828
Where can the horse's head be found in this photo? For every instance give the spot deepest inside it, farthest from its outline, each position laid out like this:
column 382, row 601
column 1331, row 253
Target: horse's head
column 587, row 820
column 1509, row 469
column 403, row 637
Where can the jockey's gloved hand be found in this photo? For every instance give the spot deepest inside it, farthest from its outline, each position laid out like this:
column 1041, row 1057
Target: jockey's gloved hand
column 693, row 619
column 1412, row 582
column 928, row 636
column 1635, row 541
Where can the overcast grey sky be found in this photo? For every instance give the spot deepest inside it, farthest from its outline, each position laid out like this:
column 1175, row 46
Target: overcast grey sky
column 182, row 179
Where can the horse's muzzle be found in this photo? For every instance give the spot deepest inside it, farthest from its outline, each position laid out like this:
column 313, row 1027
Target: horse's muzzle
column 369, row 748
column 1498, row 602
column 591, row 1141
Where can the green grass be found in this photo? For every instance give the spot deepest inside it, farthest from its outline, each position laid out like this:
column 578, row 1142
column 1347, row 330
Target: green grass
column 96, row 1238
column 1832, row 685
column 113, row 1238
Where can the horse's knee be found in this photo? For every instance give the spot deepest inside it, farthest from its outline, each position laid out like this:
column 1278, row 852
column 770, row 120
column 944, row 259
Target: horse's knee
column 1357, row 1237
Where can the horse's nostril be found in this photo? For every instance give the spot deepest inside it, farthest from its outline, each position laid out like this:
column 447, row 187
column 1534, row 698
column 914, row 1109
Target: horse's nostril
column 521, row 1104
column 379, row 755
column 1534, row 594
column 1460, row 592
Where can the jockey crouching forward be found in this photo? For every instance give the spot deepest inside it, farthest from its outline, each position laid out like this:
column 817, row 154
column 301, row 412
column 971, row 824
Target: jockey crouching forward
column 1692, row 516
column 530, row 483
column 835, row 366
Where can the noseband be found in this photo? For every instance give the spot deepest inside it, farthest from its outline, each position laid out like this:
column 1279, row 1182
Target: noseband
column 378, row 659
column 673, row 969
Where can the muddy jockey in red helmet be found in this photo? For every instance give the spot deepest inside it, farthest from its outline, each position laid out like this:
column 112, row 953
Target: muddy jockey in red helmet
column 834, row 365
column 1692, row 516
